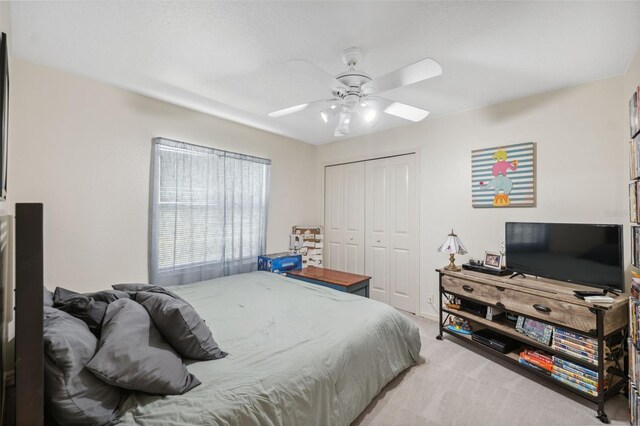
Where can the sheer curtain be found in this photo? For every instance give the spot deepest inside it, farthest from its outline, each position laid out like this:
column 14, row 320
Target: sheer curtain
column 208, row 212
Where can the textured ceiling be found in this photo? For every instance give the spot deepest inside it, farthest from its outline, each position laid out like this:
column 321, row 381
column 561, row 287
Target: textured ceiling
column 229, row 58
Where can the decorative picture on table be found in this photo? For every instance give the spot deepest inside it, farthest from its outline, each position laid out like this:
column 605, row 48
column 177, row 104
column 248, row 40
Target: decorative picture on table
column 492, row 260
column 534, row 329
column 504, row 176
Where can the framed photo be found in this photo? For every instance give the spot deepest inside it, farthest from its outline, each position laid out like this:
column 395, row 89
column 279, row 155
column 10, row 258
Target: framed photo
column 534, row 329
column 634, row 124
column 633, row 202
column 492, row 260
column 504, row 176
column 637, row 213
column 635, row 246
column 634, row 158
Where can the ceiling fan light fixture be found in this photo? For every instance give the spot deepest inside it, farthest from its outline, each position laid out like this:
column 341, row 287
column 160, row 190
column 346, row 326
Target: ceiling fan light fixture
column 343, row 122
column 406, row 111
column 370, row 115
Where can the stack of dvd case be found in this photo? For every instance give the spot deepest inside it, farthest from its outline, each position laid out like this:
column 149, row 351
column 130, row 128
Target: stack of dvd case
column 576, row 345
column 575, row 375
column 536, row 360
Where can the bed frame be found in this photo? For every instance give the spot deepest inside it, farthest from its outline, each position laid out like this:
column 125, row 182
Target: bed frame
column 29, row 339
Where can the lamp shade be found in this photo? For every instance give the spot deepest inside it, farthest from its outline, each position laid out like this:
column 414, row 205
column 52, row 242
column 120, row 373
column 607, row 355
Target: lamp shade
column 452, row 245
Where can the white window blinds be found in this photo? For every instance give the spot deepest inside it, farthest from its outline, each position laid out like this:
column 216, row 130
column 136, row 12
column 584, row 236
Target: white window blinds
column 208, row 212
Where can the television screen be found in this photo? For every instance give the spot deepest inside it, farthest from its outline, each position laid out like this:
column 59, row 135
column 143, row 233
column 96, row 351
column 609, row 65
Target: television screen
column 579, row 253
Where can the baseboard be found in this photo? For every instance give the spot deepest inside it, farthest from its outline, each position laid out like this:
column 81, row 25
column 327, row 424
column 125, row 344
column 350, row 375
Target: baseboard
column 433, row 317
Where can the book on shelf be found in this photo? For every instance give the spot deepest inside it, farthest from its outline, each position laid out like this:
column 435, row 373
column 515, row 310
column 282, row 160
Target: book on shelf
column 634, row 361
column 635, row 231
column 634, row 400
column 635, row 287
column 538, row 354
column 578, row 337
column 574, row 385
column 581, row 355
column 585, row 347
column 571, row 366
column 536, row 361
column 582, row 344
column 575, row 376
column 582, row 383
column 533, row 366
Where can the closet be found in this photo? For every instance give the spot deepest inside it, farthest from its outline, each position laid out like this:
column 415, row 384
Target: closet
column 371, row 226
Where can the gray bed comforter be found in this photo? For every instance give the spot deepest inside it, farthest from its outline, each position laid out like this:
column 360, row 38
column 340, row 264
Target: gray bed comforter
column 299, row 354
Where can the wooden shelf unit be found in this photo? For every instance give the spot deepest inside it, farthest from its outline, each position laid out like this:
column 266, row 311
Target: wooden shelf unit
column 543, row 300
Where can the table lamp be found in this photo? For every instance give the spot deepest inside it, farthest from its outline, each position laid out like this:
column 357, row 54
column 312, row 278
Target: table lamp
column 453, row 246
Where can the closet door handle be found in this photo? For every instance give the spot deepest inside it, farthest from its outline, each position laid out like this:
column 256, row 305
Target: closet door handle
column 467, row 288
column 541, row 308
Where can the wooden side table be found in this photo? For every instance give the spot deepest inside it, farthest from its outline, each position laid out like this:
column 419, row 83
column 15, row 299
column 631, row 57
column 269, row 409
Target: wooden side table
column 337, row 280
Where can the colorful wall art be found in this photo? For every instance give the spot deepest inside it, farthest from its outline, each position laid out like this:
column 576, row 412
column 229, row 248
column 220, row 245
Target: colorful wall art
column 504, row 176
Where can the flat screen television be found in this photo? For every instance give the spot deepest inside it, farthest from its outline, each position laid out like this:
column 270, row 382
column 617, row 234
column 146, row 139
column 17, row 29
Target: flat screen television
column 578, row 253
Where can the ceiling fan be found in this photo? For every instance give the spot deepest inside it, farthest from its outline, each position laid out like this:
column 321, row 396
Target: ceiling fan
column 355, row 92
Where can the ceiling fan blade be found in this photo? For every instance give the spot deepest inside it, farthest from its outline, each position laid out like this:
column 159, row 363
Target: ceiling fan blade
column 288, row 111
column 318, row 73
column 405, row 111
column 297, row 108
column 418, row 71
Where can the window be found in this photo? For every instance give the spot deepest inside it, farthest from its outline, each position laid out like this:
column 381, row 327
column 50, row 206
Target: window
column 208, row 212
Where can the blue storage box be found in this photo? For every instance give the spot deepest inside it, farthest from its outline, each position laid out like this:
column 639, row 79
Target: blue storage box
column 280, row 262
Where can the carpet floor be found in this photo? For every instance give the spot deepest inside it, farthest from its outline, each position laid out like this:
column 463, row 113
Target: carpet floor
column 457, row 384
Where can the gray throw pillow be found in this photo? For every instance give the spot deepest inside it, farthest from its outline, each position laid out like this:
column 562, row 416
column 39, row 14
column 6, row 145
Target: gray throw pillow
column 74, row 396
column 47, row 297
column 134, row 288
column 89, row 307
column 181, row 325
column 132, row 354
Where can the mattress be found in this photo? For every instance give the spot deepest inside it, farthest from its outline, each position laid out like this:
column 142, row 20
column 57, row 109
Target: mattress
column 299, row 353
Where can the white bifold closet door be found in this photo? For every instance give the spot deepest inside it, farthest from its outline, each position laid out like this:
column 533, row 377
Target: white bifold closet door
column 391, row 231
column 344, row 217
column 371, row 226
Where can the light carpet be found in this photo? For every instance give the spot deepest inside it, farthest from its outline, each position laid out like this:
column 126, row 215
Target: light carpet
column 458, row 384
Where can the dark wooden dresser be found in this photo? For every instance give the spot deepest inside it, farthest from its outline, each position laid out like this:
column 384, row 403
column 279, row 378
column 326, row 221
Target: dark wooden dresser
column 337, row 280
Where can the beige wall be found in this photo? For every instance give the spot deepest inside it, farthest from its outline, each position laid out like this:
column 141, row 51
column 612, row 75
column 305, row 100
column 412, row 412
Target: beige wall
column 580, row 167
column 83, row 149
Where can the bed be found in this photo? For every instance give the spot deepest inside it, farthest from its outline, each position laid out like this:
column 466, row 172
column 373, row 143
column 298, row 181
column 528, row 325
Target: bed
column 298, row 354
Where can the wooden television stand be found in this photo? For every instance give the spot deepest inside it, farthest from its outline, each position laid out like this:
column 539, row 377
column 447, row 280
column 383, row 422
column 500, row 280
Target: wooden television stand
column 548, row 301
